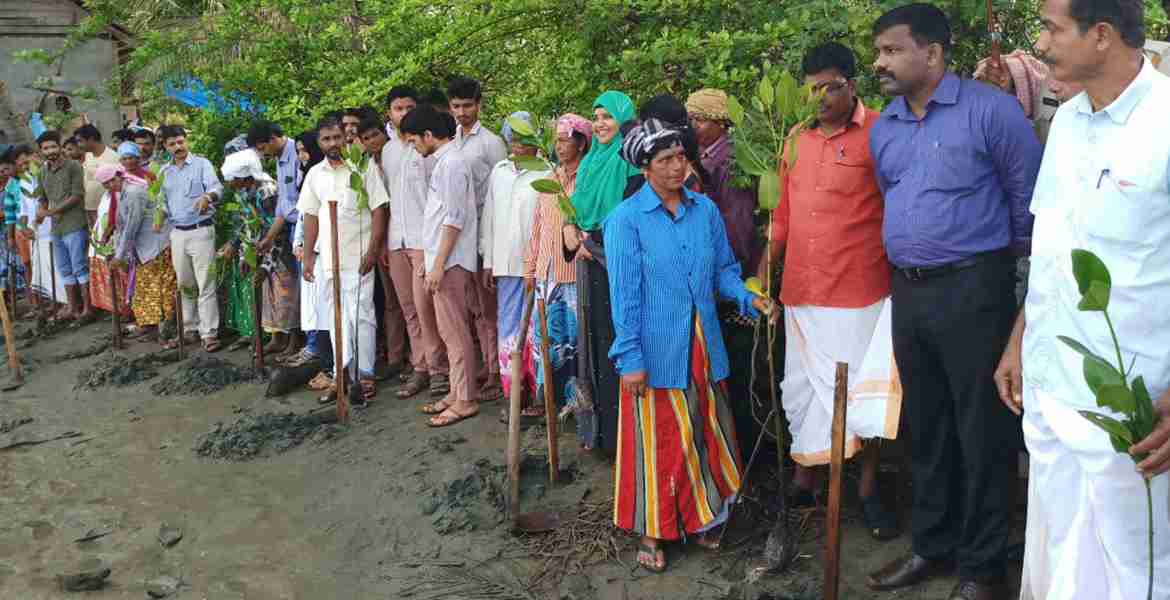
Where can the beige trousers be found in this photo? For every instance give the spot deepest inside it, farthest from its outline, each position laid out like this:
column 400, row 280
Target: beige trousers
column 427, row 354
column 193, row 253
column 453, row 310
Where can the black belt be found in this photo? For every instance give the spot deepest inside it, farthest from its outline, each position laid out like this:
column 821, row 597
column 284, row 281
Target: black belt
column 921, row 273
column 203, row 223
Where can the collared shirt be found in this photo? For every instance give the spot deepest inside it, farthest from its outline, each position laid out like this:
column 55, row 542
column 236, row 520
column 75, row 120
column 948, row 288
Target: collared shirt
column 184, row 184
column 737, row 205
column 483, row 150
column 663, row 269
column 830, row 220
column 958, row 181
column 408, row 173
column 136, row 226
column 325, row 183
column 66, row 181
column 451, row 203
column 29, row 204
column 545, row 251
column 288, row 181
column 93, row 189
column 1104, row 187
column 12, row 197
column 506, row 228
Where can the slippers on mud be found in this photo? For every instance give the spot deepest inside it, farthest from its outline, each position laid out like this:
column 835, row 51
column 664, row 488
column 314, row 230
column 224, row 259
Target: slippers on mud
column 321, row 382
column 652, row 553
column 443, row 420
column 211, row 345
column 434, row 408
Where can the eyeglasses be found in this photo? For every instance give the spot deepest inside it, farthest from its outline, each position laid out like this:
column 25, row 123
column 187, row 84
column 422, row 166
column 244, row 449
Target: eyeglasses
column 831, row 88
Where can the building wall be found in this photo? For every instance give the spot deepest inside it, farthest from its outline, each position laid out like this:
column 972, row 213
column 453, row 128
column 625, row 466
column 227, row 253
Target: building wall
column 45, row 24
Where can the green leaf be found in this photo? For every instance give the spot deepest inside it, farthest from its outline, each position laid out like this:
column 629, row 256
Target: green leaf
column 735, row 111
column 1096, row 299
column 548, row 186
column 1115, row 428
column 769, row 192
column 757, row 104
column 1143, row 421
column 567, row 209
column 1099, row 374
column 1079, row 347
column 1117, row 397
column 751, row 159
column 521, row 127
column 530, row 163
column 1087, row 268
column 765, row 92
column 250, row 256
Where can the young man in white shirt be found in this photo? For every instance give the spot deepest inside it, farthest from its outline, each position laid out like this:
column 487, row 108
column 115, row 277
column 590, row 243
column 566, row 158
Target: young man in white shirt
column 361, row 234
column 482, row 150
column 450, row 230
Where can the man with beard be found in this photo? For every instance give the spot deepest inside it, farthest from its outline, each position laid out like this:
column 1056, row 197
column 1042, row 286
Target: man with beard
column 361, row 235
column 482, row 150
column 62, row 195
column 1104, row 186
column 191, row 190
column 956, row 161
column 145, row 140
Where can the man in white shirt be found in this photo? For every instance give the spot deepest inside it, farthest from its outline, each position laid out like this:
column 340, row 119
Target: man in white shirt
column 505, row 233
column 1104, row 186
column 483, row 150
column 361, row 235
column 450, row 233
column 96, row 154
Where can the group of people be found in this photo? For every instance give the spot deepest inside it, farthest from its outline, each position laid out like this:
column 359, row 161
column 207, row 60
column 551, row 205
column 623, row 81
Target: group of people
column 900, row 232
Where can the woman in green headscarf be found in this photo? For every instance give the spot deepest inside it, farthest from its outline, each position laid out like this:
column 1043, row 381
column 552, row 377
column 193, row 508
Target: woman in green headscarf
column 601, row 184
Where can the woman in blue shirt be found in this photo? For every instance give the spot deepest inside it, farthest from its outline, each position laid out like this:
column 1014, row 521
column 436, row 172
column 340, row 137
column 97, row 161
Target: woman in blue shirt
column 678, row 464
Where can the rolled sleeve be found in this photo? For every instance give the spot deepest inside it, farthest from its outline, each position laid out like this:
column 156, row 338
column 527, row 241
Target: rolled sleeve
column 625, row 292
column 1017, row 153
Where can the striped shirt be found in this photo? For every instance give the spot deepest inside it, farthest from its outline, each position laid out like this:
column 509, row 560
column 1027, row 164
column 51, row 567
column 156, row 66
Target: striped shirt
column 663, row 269
column 545, row 246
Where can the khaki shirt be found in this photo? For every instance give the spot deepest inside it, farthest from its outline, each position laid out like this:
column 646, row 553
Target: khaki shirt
column 93, row 189
column 68, row 181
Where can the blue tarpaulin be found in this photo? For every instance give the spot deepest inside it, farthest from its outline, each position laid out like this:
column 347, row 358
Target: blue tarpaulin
column 196, row 94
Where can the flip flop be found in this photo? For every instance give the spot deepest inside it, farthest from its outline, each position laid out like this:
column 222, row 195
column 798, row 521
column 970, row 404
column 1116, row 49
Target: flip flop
column 653, row 552
column 441, row 420
column 434, row 408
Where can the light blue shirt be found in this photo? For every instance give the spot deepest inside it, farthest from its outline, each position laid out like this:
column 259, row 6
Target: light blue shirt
column 288, row 182
column 662, row 270
column 185, row 184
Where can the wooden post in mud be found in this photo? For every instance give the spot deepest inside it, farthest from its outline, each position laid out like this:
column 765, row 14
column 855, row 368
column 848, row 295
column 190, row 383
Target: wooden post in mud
column 179, row 319
column 550, row 404
column 836, row 472
column 514, row 397
column 10, row 344
column 52, row 283
column 338, row 357
column 257, row 334
column 113, row 281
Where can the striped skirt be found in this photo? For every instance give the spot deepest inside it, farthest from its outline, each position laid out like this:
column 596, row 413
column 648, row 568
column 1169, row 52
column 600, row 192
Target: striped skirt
column 678, row 460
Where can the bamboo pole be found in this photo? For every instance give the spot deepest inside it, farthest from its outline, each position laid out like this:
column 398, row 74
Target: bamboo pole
column 113, row 281
column 179, row 319
column 836, row 473
column 550, row 405
column 257, row 335
column 514, row 398
column 338, row 357
column 10, row 343
column 993, row 32
column 53, row 282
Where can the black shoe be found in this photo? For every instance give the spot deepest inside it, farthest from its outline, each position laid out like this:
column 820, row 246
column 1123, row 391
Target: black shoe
column 905, row 571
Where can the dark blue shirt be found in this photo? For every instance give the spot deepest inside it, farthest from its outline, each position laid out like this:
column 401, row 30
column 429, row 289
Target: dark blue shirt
column 958, row 181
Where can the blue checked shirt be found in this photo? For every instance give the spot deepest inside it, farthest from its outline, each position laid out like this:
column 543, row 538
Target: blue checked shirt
column 185, row 184
column 662, row 270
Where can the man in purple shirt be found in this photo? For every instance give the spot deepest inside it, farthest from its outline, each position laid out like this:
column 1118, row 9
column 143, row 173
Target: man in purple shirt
column 956, row 161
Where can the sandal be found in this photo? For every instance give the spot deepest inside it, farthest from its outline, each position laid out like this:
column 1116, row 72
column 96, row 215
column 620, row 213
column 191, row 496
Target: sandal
column 440, row 386
column 493, row 393
column 708, row 541
column 415, row 384
column 434, row 408
column 173, row 343
column 321, row 382
column 881, row 523
column 211, row 345
column 526, row 421
column 449, row 417
column 648, row 558
column 369, row 389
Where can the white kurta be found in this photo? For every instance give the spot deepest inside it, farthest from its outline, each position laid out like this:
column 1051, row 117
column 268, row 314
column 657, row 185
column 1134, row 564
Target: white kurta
column 818, row 337
column 1104, row 186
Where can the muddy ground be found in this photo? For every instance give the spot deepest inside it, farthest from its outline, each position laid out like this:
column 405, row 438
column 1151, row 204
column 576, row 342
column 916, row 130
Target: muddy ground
column 270, row 501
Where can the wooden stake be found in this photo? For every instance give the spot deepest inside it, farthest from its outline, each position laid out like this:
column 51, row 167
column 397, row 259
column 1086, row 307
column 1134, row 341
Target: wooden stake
column 179, row 319
column 993, row 31
column 514, row 398
column 550, row 404
column 257, row 336
column 10, row 343
column 53, row 281
column 113, row 281
column 836, row 472
column 338, row 357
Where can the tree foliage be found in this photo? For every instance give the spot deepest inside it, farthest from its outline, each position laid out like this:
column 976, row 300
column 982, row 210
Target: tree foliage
column 302, row 58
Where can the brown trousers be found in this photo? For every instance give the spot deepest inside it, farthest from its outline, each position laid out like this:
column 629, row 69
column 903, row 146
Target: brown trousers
column 484, row 309
column 392, row 315
column 427, row 353
column 453, row 310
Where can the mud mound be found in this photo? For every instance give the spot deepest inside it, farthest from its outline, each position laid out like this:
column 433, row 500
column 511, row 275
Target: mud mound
column 255, row 435
column 118, row 370
column 95, row 347
column 472, row 498
column 202, row 375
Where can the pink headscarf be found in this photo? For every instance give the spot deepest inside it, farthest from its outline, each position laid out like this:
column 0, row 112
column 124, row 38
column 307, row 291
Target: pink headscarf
column 569, row 122
column 1027, row 73
column 105, row 173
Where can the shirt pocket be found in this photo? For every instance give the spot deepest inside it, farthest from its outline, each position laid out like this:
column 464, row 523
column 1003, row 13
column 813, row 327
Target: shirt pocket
column 196, row 188
column 1120, row 221
column 847, row 175
column 952, row 168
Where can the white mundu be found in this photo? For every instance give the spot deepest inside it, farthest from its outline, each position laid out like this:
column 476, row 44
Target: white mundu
column 1104, row 186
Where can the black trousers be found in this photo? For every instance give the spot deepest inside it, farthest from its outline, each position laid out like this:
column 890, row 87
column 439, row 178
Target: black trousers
column 949, row 333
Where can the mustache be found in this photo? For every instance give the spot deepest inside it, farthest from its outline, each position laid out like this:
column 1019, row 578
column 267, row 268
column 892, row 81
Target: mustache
column 884, row 73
